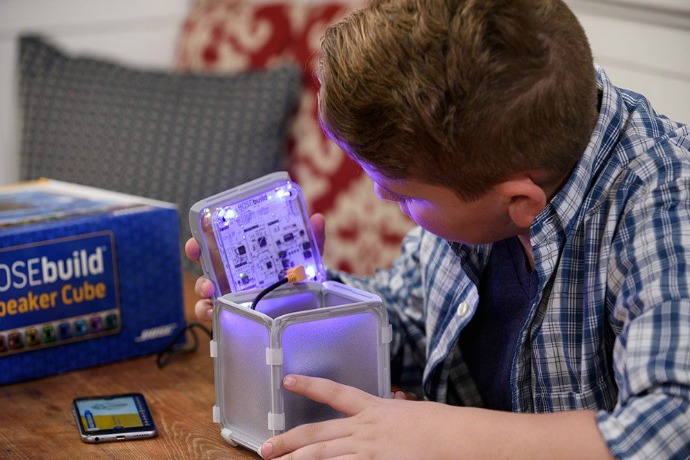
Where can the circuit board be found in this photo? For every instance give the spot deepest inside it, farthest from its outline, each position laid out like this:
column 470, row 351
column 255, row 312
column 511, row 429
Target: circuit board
column 262, row 236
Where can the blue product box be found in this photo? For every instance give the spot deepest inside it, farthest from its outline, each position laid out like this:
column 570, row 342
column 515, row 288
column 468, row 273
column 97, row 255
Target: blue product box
column 87, row 277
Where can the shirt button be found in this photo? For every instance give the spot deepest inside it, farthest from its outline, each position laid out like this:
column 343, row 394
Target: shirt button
column 463, row 308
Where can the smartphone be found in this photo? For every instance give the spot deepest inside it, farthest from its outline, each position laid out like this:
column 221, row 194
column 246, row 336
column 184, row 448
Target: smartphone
column 113, row 418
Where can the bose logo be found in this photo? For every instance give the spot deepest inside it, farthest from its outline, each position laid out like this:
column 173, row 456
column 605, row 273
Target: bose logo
column 156, row 332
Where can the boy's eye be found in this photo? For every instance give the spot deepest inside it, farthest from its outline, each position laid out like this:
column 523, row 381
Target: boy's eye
column 387, row 195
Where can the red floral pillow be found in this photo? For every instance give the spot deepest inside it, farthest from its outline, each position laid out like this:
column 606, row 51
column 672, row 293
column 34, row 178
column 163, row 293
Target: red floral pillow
column 232, row 35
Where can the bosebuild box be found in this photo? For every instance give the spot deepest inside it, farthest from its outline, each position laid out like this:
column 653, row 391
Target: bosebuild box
column 87, row 277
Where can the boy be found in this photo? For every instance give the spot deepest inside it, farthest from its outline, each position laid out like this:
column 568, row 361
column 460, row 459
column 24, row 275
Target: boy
column 544, row 297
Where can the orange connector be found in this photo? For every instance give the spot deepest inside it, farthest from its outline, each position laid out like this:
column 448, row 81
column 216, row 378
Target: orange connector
column 296, row 274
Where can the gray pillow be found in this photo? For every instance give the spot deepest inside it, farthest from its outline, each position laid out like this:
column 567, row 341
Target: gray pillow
column 177, row 137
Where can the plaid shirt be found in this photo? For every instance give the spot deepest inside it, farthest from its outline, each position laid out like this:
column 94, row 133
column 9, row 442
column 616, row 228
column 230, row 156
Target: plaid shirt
column 610, row 328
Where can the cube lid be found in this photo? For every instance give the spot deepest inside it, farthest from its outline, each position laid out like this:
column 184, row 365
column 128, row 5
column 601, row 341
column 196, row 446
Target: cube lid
column 251, row 234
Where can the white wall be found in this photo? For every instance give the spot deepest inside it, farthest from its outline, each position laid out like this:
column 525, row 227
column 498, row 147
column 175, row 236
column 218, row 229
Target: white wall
column 138, row 32
column 644, row 45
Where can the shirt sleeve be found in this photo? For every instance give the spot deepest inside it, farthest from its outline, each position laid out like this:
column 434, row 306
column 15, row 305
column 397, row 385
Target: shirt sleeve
column 400, row 289
column 650, row 311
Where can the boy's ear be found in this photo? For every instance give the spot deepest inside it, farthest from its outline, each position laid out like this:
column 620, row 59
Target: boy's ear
column 525, row 199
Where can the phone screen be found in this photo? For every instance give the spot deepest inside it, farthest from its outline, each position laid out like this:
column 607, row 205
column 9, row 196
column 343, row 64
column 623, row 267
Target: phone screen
column 113, row 418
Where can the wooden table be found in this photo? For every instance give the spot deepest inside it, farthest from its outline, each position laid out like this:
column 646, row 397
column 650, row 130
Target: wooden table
column 36, row 419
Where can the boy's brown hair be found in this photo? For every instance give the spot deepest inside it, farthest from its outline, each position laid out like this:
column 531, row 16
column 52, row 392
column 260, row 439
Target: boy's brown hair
column 459, row 93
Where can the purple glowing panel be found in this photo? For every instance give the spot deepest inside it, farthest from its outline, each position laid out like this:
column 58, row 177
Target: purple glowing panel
column 339, row 348
column 243, row 374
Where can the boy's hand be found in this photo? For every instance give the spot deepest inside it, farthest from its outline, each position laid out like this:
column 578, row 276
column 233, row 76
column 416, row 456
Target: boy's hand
column 374, row 427
column 204, row 288
column 318, row 223
column 399, row 429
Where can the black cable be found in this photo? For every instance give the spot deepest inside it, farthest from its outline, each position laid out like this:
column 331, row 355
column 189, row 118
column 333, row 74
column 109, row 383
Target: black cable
column 172, row 349
column 267, row 290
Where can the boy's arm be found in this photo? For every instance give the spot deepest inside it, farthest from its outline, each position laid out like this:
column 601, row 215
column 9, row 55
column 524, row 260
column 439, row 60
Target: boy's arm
column 395, row 428
column 649, row 310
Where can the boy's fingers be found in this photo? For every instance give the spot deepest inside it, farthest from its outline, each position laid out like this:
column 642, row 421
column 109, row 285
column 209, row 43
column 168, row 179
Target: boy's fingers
column 343, row 398
column 328, row 439
column 204, row 287
column 204, row 309
column 318, row 224
column 192, row 250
